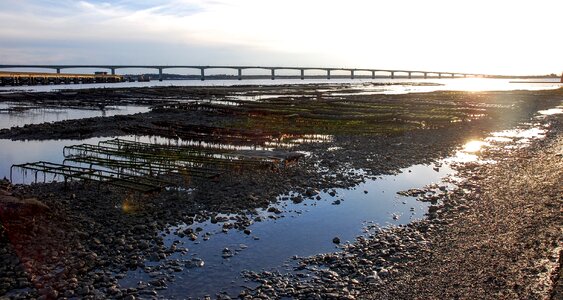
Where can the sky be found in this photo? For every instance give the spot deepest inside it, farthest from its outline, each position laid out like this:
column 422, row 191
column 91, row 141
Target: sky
column 474, row 36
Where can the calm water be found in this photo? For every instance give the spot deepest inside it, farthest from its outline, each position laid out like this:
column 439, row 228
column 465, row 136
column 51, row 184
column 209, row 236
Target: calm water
column 458, row 84
column 307, row 229
column 10, row 116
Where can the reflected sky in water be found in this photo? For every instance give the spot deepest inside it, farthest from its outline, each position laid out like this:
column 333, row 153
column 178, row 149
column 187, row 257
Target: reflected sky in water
column 393, row 86
column 306, row 229
column 12, row 115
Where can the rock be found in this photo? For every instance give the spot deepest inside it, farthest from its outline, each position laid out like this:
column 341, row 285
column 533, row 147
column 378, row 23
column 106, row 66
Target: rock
column 374, row 277
column 383, row 273
column 336, row 240
column 83, row 290
column 311, row 192
column 49, row 293
column 274, row 210
column 297, row 199
column 69, row 294
column 13, row 207
column 198, row 262
column 140, row 229
column 226, row 253
column 148, row 293
column 112, row 290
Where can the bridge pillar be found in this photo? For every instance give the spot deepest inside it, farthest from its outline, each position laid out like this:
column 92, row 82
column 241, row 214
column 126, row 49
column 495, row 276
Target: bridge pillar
column 202, row 74
column 410, row 75
column 302, row 74
column 159, row 74
column 372, row 74
column 351, row 74
column 327, row 74
column 453, row 75
column 439, row 75
column 392, row 75
column 273, row 74
column 464, row 75
column 425, row 75
column 112, row 71
column 58, row 70
column 239, row 74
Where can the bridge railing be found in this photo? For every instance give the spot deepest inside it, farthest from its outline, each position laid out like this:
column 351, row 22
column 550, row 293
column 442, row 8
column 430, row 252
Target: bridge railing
column 328, row 70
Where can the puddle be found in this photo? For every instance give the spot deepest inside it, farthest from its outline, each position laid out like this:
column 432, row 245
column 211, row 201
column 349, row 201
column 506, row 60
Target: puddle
column 305, row 229
column 505, row 139
column 12, row 115
column 552, row 111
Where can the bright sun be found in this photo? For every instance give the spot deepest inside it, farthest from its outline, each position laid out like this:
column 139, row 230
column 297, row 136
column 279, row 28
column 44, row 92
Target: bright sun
column 473, row 146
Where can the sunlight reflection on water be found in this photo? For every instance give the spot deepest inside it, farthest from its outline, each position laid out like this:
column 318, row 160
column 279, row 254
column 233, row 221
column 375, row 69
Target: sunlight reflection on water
column 392, row 86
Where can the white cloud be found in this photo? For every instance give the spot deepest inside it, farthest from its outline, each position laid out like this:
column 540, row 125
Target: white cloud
column 472, row 36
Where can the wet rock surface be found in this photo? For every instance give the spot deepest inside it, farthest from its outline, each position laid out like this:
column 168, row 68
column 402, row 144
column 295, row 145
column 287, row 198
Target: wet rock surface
column 91, row 235
column 480, row 242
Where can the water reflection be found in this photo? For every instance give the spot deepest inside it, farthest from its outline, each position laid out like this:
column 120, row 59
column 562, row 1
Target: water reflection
column 308, row 227
column 392, row 86
column 12, row 114
column 552, row 111
column 304, row 229
column 505, row 139
column 473, row 146
column 145, row 163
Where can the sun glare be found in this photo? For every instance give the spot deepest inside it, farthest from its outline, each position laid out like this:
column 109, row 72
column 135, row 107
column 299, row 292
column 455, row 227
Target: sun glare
column 474, row 146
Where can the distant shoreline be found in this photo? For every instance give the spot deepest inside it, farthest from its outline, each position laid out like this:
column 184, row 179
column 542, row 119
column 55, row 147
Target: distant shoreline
column 535, row 82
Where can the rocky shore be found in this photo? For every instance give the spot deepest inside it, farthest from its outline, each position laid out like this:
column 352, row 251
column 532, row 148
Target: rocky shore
column 77, row 240
column 496, row 236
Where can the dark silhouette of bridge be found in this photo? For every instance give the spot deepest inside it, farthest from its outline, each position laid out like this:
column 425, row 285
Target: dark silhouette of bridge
column 329, row 71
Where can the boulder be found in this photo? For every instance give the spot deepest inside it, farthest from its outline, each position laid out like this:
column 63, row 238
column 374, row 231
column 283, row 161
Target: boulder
column 13, row 207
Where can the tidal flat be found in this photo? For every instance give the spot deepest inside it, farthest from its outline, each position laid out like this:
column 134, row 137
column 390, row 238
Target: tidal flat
column 302, row 191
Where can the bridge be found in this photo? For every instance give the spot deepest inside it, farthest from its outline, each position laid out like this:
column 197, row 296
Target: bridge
column 329, row 71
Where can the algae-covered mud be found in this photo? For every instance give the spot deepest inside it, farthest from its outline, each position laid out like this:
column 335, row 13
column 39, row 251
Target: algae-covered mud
column 300, row 191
